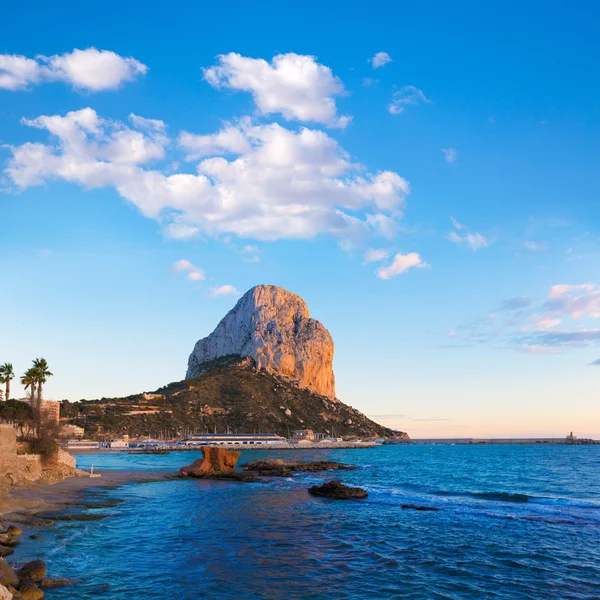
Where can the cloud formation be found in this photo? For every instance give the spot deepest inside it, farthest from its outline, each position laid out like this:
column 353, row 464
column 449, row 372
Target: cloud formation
column 475, row 241
column 224, row 290
column 194, row 273
column 89, row 70
column 293, row 85
column 375, row 255
column 400, row 264
column 380, row 60
column 406, row 96
column 544, row 327
column 277, row 184
column 450, row 155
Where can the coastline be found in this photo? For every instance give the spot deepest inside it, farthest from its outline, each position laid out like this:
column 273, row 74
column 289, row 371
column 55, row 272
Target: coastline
column 22, row 504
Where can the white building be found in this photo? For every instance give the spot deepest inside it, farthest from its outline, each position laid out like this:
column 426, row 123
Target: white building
column 82, row 445
column 237, row 439
column 118, row 444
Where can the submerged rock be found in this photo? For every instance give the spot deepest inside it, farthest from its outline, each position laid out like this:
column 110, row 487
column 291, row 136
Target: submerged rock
column 336, row 489
column 283, row 468
column 33, row 571
column 416, row 507
column 214, row 461
column 54, row 582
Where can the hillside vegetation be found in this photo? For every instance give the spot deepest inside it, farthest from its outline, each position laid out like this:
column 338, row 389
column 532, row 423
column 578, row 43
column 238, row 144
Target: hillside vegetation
column 230, row 394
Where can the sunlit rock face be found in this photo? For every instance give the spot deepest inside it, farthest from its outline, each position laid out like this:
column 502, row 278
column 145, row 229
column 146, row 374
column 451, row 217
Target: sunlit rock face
column 273, row 327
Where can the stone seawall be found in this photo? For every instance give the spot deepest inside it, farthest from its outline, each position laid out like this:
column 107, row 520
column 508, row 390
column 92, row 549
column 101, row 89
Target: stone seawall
column 30, row 467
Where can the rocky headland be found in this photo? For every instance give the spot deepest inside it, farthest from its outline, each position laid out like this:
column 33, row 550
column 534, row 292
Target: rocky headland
column 267, row 367
column 273, row 327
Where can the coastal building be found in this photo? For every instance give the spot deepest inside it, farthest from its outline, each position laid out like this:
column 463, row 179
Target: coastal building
column 122, row 443
column 241, row 439
column 82, row 445
column 304, row 434
column 72, row 431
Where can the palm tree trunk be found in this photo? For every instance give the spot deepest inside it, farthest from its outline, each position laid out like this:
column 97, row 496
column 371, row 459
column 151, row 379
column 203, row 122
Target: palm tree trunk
column 7, row 395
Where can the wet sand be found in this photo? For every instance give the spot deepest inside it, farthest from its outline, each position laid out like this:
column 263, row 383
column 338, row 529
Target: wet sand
column 23, row 502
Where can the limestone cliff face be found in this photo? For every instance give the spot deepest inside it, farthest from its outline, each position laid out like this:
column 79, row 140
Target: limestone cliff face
column 272, row 326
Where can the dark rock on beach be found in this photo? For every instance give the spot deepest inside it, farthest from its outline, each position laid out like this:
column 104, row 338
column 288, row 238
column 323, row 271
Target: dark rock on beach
column 284, row 468
column 337, row 490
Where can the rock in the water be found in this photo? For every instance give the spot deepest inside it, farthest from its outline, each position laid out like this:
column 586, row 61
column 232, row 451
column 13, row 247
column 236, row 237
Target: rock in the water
column 214, row 461
column 5, row 550
column 7, row 574
column 283, row 468
column 14, row 531
column 30, row 591
column 273, row 327
column 337, row 490
column 416, row 507
column 33, row 571
column 54, row 582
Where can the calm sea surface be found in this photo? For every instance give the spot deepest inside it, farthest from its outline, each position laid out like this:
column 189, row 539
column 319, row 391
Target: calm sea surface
column 515, row 522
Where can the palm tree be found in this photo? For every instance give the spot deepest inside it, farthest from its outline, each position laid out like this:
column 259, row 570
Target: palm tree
column 40, row 366
column 29, row 381
column 6, row 374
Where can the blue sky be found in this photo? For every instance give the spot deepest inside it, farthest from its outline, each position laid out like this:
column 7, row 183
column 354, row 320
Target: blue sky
column 425, row 177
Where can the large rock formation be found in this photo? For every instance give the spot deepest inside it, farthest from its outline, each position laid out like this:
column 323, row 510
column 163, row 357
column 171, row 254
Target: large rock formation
column 214, row 461
column 274, row 328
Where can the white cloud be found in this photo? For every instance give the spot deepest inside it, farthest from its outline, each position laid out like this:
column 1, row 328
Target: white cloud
column 194, row 273
column 230, row 140
column 249, row 248
column 293, row 85
column 406, row 96
column 545, row 322
column 450, row 155
column 457, row 225
column 538, row 350
column 577, row 301
column 90, row 70
column 401, row 264
column 375, row 255
column 286, row 184
column 475, row 241
column 534, row 246
column 17, row 72
column 224, row 290
column 380, row 60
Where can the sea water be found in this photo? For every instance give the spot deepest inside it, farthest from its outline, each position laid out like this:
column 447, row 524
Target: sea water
column 513, row 522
